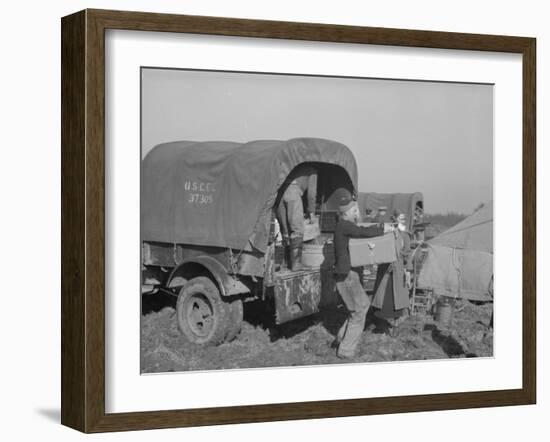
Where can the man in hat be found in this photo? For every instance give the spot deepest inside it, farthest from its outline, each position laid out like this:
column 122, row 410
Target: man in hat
column 290, row 211
column 381, row 215
column 348, row 281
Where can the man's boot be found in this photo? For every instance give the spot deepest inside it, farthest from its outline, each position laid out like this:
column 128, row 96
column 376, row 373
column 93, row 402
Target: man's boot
column 285, row 263
column 296, row 248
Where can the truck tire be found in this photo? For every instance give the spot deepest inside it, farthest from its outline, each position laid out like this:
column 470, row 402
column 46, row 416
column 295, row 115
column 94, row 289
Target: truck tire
column 235, row 323
column 204, row 317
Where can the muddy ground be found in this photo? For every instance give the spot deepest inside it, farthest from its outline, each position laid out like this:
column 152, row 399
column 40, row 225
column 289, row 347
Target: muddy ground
column 308, row 341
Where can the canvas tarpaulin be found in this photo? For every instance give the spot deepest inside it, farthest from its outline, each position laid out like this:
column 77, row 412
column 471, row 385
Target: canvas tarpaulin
column 460, row 260
column 222, row 193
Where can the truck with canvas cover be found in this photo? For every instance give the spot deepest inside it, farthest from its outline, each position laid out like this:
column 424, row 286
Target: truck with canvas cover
column 208, row 229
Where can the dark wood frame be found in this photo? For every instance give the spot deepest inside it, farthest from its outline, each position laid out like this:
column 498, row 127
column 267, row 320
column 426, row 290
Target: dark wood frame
column 83, row 216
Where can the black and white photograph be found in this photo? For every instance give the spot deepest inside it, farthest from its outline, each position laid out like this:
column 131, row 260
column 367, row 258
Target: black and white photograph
column 254, row 221
column 301, row 220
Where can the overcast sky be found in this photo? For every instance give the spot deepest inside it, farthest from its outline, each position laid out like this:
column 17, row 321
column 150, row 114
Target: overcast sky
column 407, row 136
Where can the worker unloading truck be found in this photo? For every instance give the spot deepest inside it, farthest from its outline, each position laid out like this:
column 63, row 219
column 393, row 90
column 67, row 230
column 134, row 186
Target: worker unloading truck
column 290, row 212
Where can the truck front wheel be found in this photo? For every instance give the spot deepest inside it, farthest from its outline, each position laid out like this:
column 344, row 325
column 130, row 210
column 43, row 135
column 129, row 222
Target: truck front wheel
column 204, row 317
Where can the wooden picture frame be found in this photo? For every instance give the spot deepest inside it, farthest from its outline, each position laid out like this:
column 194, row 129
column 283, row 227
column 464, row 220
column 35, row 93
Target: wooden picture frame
column 83, row 220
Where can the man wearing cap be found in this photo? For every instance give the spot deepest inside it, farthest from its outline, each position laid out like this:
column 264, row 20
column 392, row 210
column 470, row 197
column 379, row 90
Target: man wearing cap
column 290, row 211
column 381, row 215
column 347, row 279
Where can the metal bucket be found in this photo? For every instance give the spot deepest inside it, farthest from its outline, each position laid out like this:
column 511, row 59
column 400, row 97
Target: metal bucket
column 317, row 255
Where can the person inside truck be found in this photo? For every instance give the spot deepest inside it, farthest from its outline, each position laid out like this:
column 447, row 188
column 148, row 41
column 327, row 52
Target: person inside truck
column 348, row 281
column 290, row 212
column 418, row 214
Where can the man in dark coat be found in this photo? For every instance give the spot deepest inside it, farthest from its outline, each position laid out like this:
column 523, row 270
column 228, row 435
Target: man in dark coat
column 381, row 215
column 290, row 211
column 348, row 281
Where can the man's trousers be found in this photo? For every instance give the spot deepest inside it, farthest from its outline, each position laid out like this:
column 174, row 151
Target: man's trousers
column 358, row 303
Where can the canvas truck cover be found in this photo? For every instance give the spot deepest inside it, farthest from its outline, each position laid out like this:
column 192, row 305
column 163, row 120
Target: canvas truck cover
column 405, row 202
column 222, row 193
column 460, row 260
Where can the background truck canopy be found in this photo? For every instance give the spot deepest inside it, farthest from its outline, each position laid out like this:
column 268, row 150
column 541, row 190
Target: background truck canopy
column 405, row 202
column 222, row 193
column 460, row 260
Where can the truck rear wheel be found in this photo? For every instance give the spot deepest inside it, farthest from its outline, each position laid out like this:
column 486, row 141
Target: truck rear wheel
column 236, row 319
column 204, row 317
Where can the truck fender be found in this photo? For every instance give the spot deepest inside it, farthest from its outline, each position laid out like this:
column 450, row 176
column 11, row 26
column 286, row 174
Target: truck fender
column 208, row 266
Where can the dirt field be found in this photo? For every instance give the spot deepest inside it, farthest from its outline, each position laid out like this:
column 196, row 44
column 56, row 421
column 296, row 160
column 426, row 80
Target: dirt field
column 309, row 341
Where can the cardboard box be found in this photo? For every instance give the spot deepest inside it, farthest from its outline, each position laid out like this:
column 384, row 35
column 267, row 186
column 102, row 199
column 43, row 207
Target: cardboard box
column 311, row 229
column 369, row 251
